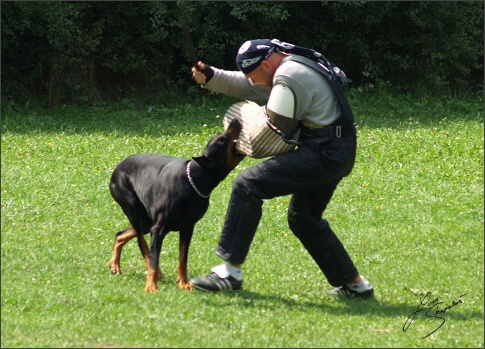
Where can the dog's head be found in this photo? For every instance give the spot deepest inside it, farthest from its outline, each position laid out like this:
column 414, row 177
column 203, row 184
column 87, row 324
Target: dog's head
column 220, row 153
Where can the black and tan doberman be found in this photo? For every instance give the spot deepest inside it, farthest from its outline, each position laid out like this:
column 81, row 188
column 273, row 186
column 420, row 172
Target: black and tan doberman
column 160, row 193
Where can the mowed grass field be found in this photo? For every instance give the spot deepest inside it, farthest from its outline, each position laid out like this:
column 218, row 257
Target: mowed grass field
column 410, row 216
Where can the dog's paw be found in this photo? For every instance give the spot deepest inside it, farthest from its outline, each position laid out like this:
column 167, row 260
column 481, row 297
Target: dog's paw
column 150, row 288
column 114, row 268
column 151, row 284
column 185, row 286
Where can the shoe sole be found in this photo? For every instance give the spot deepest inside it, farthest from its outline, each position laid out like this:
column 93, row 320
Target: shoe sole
column 363, row 295
column 213, row 291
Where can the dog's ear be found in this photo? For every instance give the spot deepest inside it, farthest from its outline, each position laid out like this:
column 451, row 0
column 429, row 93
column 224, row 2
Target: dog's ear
column 201, row 160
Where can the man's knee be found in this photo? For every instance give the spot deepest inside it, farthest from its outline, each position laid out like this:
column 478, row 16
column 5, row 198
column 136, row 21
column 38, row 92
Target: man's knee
column 246, row 185
column 302, row 225
column 241, row 182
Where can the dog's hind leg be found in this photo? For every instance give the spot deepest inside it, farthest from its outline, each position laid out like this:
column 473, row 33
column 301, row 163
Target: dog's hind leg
column 184, row 244
column 137, row 216
column 157, row 233
column 145, row 251
column 121, row 238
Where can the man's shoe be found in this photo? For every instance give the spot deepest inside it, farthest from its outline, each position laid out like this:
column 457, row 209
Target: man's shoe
column 347, row 291
column 362, row 289
column 215, row 283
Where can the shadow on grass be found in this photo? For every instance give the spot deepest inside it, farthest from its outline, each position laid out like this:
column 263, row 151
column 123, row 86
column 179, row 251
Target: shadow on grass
column 337, row 306
column 152, row 121
column 148, row 121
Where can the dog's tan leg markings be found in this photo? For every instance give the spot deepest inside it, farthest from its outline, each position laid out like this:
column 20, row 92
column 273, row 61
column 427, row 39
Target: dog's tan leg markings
column 151, row 285
column 182, row 280
column 157, row 233
column 120, row 240
column 184, row 242
column 146, row 256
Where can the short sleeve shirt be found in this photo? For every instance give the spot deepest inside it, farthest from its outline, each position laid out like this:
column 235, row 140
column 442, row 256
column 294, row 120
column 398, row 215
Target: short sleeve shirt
column 316, row 104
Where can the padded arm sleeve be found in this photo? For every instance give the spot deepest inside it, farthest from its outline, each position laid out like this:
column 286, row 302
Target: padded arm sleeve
column 280, row 109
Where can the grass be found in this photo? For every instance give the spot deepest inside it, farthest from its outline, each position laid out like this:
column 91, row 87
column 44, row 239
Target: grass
column 410, row 215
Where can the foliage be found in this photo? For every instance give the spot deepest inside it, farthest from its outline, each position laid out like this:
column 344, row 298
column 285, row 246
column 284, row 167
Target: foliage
column 81, row 52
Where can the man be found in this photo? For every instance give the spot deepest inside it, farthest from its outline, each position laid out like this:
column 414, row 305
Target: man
column 297, row 94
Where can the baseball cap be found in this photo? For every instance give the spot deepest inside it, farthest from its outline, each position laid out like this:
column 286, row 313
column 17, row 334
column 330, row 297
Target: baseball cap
column 252, row 53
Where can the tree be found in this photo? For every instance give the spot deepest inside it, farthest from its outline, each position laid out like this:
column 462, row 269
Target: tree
column 80, row 52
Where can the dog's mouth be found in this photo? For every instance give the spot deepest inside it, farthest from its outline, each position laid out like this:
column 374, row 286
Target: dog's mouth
column 235, row 152
column 234, row 130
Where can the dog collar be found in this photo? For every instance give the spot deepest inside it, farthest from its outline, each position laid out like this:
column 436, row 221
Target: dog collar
column 191, row 181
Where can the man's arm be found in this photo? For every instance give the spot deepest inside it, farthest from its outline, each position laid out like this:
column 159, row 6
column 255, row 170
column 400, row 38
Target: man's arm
column 235, row 84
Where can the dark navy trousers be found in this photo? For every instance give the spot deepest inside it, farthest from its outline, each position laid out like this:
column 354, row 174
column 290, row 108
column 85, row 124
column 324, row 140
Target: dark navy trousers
column 310, row 174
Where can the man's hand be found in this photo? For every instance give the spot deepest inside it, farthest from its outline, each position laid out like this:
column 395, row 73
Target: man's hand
column 202, row 73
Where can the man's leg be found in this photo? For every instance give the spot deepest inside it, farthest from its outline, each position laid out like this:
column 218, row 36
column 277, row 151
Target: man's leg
column 314, row 232
column 306, row 222
column 278, row 176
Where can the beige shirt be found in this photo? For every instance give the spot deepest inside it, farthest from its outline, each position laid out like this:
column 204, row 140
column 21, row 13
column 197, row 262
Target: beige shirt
column 316, row 105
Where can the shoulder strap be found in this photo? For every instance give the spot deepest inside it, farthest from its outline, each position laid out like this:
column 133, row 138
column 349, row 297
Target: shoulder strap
column 312, row 55
column 347, row 115
column 312, row 64
column 320, row 63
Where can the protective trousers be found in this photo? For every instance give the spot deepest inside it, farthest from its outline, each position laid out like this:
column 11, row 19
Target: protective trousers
column 310, row 173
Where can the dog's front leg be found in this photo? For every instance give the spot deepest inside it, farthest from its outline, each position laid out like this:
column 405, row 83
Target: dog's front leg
column 184, row 244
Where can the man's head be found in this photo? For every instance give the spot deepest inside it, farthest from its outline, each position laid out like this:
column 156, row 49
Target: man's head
column 252, row 53
column 254, row 58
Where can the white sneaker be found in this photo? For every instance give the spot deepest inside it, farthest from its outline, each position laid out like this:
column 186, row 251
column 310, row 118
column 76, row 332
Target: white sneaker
column 362, row 289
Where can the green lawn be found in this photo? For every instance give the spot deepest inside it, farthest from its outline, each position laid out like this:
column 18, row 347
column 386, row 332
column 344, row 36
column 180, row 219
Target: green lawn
column 410, row 215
